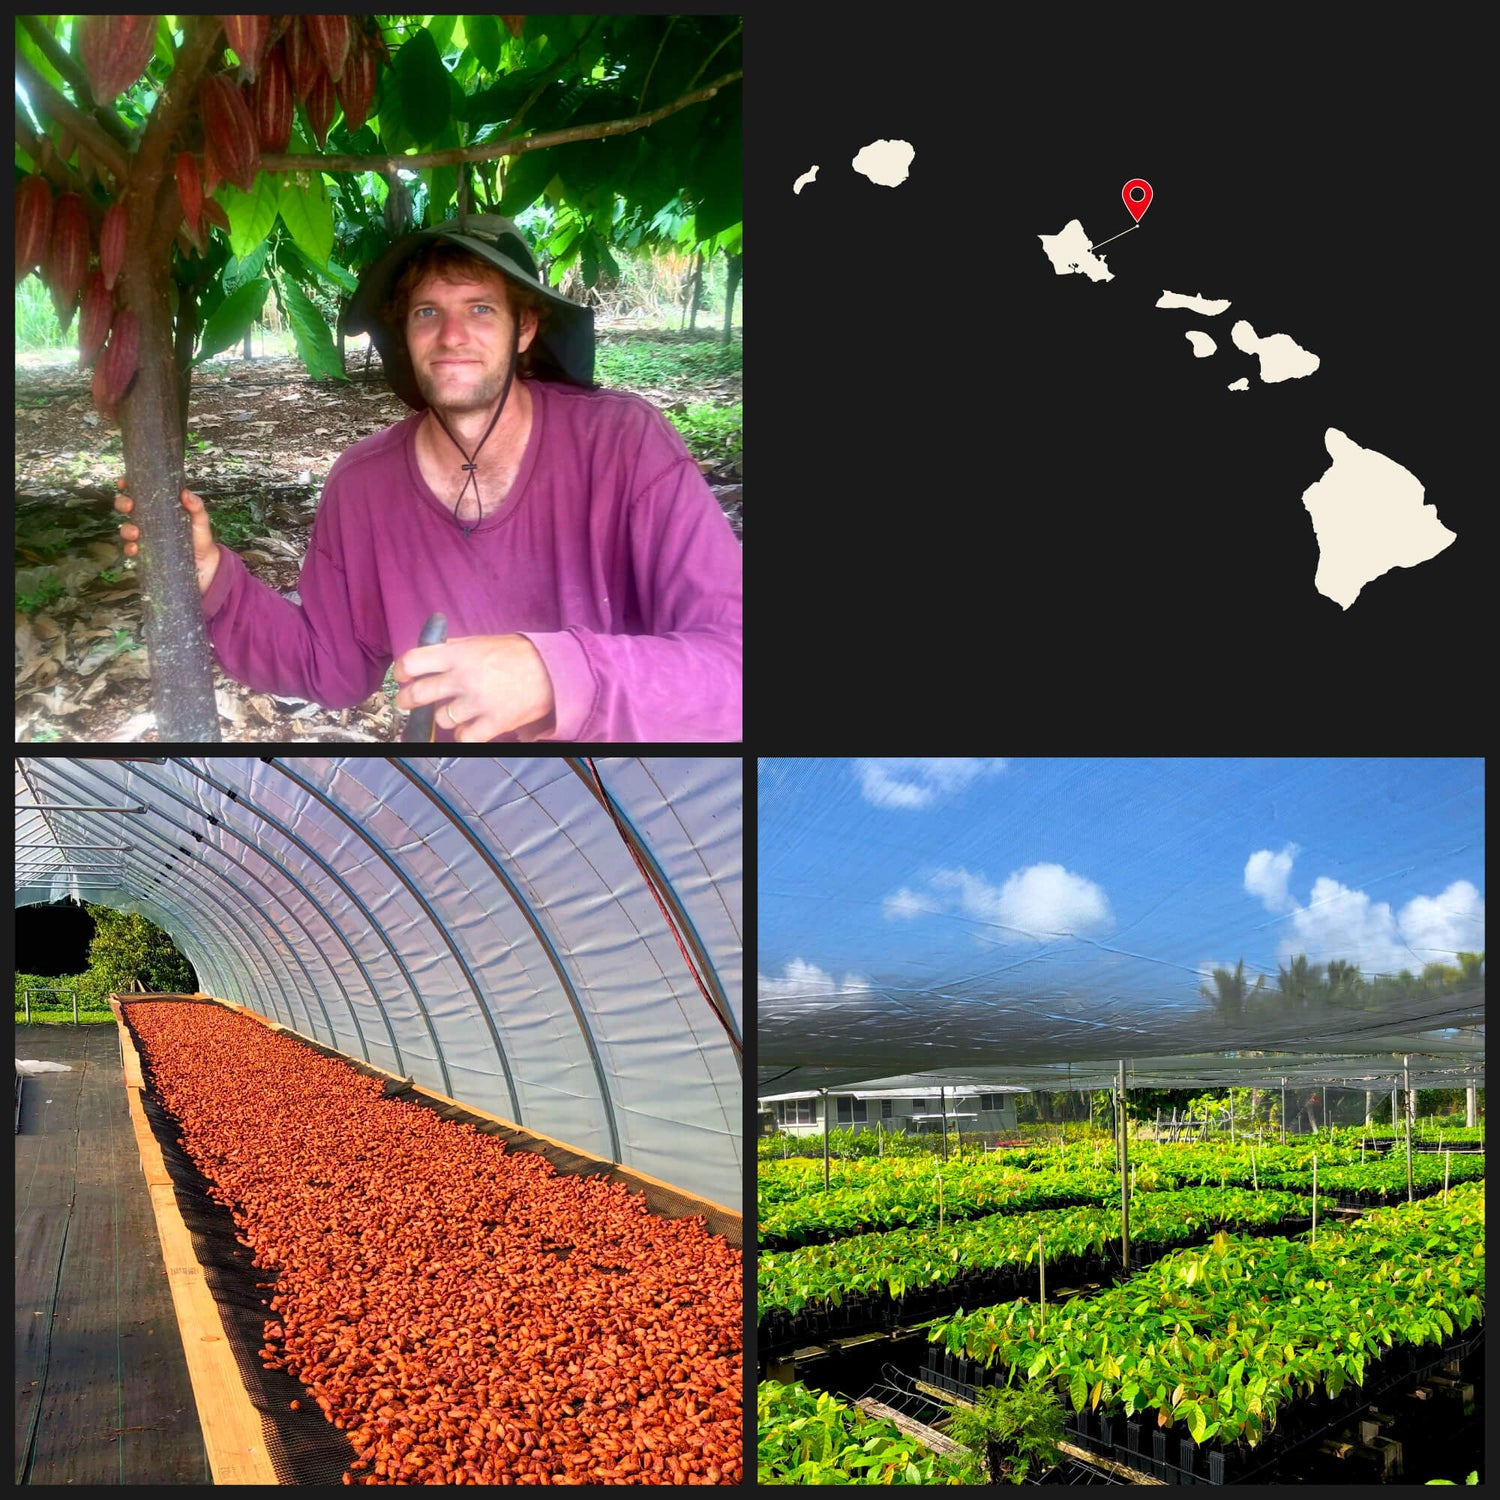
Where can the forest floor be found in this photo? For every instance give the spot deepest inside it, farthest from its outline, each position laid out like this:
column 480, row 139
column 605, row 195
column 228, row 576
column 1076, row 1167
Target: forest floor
column 262, row 436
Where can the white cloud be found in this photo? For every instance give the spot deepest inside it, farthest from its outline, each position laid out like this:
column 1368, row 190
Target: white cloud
column 914, row 782
column 1266, row 876
column 1439, row 927
column 1342, row 923
column 1035, row 904
column 800, row 979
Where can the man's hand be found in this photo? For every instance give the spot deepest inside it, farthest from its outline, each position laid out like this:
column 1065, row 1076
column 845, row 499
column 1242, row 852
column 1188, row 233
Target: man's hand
column 487, row 685
column 205, row 548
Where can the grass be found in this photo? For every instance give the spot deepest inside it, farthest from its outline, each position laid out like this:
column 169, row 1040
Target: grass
column 52, row 1017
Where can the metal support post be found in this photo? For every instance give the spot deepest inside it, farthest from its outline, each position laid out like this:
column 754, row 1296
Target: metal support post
column 1124, row 1180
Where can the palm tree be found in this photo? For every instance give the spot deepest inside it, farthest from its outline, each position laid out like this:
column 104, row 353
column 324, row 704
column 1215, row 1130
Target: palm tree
column 1229, row 995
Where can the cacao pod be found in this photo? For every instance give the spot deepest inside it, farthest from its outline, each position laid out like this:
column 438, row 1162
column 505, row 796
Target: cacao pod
column 318, row 107
column 271, row 103
column 116, row 367
column 33, row 224
column 229, row 130
column 121, row 354
column 513, row 24
column 212, row 176
column 94, row 320
column 112, row 243
column 248, row 36
column 301, row 58
column 357, row 87
column 330, row 36
column 114, row 51
column 68, row 254
column 189, row 189
column 213, row 213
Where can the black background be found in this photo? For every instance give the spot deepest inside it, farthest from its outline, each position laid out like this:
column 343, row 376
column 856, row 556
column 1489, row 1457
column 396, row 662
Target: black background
column 985, row 476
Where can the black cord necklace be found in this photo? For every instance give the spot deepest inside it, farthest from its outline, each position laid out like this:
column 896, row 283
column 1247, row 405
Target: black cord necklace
column 469, row 465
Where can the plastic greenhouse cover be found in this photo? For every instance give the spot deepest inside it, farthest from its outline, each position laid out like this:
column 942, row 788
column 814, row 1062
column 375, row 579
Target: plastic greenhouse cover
column 484, row 926
column 1036, row 921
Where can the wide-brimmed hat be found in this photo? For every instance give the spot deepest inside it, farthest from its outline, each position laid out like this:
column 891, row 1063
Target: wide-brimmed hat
column 563, row 350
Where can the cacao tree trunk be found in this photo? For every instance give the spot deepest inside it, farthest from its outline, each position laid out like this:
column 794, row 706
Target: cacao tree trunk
column 731, row 287
column 182, row 684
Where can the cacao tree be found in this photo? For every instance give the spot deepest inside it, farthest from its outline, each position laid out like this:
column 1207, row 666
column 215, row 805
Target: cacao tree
column 174, row 172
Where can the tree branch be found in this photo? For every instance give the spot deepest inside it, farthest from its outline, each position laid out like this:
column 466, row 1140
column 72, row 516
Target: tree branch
column 46, row 100
column 326, row 162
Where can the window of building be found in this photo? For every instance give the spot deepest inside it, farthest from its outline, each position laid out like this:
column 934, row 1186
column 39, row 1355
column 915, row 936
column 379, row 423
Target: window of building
column 851, row 1111
column 887, row 1108
column 992, row 1101
column 795, row 1112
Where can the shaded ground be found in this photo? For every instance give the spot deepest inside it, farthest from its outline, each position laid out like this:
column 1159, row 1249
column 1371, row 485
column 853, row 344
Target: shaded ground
column 262, row 437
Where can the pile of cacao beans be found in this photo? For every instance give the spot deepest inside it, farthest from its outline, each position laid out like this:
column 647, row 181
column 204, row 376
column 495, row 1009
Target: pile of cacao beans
column 315, row 60
column 465, row 1313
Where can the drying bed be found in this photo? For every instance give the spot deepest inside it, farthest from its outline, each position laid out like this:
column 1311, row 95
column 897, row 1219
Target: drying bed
column 455, row 1308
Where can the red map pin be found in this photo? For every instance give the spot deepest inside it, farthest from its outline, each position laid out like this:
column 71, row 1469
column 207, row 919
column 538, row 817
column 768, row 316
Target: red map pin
column 1137, row 196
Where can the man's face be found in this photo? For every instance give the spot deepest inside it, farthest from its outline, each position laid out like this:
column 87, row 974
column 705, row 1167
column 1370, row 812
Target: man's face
column 458, row 334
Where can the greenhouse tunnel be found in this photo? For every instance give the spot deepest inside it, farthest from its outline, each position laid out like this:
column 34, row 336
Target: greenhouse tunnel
column 549, row 946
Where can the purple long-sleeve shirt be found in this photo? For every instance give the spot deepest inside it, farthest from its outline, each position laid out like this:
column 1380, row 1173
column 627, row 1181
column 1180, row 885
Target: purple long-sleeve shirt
column 610, row 554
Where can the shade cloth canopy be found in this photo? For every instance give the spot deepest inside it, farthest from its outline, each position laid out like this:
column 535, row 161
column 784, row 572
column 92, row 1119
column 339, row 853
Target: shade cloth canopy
column 1034, row 922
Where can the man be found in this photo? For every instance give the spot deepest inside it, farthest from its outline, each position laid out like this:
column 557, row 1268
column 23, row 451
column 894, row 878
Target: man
column 591, row 585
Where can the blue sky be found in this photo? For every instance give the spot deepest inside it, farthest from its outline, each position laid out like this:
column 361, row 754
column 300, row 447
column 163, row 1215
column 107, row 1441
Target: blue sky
column 1136, row 874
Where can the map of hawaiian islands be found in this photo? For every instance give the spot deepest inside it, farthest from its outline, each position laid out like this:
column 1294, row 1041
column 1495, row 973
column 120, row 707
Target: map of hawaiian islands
column 1367, row 511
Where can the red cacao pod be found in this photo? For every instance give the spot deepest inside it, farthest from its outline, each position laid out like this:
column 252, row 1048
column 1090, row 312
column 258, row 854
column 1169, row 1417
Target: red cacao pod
column 33, row 224
column 319, row 106
column 229, row 130
column 212, row 176
column 94, row 320
column 357, row 87
column 513, row 24
column 330, row 36
column 213, row 213
column 120, row 355
column 189, row 188
column 301, row 58
column 112, row 243
column 271, row 103
column 67, row 254
column 114, row 51
column 248, row 36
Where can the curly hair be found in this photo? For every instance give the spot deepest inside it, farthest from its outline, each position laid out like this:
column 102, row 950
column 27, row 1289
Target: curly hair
column 453, row 263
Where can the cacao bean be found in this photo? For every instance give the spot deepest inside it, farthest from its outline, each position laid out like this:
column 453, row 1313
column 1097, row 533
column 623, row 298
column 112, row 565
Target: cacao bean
column 114, row 51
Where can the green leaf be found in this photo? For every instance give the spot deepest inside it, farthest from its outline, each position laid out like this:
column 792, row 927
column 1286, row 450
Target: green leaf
column 1197, row 1422
column 307, row 213
column 484, row 41
column 1078, row 1389
column 251, row 214
column 424, row 87
column 525, row 178
column 235, row 315
column 314, row 342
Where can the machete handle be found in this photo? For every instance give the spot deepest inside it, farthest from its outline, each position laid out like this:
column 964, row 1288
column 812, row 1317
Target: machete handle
column 419, row 722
